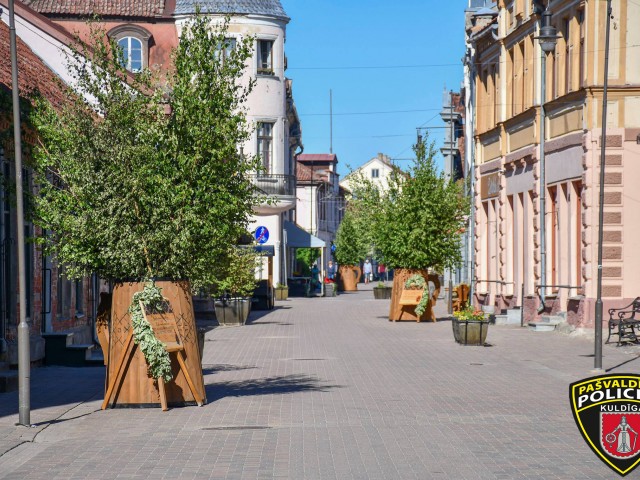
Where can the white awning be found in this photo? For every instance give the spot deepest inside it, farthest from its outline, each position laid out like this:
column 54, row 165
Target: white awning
column 299, row 238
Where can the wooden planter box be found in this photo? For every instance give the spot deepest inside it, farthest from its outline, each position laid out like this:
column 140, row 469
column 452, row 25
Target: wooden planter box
column 282, row 293
column 234, row 311
column 470, row 332
column 348, row 277
column 403, row 302
column 126, row 366
column 382, row 293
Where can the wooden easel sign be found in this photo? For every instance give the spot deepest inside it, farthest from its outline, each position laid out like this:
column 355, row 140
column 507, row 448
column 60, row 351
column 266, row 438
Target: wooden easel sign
column 411, row 297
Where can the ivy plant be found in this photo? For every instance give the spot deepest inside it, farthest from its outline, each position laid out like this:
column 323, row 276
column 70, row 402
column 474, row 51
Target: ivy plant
column 157, row 357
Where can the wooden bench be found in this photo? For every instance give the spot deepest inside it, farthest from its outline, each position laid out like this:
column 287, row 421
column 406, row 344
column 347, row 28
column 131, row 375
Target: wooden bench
column 460, row 297
column 623, row 322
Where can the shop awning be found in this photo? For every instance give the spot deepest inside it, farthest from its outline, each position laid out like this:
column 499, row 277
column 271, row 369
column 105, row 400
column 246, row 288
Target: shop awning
column 298, row 238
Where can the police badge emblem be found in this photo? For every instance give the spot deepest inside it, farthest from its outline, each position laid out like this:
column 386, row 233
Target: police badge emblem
column 606, row 409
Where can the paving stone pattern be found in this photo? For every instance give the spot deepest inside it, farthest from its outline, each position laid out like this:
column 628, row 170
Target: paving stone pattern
column 328, row 388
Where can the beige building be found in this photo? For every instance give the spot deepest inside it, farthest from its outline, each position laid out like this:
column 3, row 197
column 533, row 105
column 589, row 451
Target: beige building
column 504, row 70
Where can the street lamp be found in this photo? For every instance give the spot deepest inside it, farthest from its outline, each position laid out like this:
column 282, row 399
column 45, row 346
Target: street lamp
column 597, row 367
column 547, row 37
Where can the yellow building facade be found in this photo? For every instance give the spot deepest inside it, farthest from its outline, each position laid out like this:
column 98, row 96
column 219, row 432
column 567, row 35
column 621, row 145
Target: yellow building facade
column 505, row 67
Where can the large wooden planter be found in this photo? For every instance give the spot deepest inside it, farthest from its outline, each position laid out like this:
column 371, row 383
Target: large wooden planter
column 133, row 386
column 233, row 311
column 400, row 311
column 468, row 332
column 348, row 277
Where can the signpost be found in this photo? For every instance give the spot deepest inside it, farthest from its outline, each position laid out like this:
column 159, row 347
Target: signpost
column 261, row 235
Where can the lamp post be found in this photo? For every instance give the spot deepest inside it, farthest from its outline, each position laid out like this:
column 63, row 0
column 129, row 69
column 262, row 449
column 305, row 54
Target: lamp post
column 603, row 142
column 24, row 356
column 547, row 37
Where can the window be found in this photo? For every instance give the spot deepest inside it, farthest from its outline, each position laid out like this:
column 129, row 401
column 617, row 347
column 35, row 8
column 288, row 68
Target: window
column 131, row 53
column 63, row 303
column 265, row 145
column 134, row 42
column 265, row 57
column 79, row 297
column 226, row 48
column 375, row 173
column 568, row 52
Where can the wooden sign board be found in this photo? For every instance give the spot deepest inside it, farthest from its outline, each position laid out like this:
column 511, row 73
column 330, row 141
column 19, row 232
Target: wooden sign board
column 411, row 297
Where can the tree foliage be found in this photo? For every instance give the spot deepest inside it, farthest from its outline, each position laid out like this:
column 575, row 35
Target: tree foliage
column 419, row 220
column 307, row 257
column 351, row 241
column 141, row 176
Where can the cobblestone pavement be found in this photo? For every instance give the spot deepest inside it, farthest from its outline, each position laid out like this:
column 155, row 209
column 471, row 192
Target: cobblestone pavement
column 328, row 388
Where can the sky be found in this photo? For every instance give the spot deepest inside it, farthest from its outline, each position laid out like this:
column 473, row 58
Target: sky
column 376, row 57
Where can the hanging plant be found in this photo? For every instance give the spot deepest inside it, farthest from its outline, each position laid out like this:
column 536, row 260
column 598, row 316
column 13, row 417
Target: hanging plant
column 157, row 357
column 417, row 282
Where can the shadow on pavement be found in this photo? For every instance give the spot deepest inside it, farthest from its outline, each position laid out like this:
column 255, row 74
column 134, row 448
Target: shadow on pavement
column 266, row 386
column 211, row 369
column 54, row 386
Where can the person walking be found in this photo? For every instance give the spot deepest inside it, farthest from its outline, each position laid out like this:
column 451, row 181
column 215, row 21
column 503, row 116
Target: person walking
column 368, row 271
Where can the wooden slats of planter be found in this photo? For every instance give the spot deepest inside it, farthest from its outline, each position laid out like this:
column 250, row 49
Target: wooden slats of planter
column 135, row 386
column 406, row 311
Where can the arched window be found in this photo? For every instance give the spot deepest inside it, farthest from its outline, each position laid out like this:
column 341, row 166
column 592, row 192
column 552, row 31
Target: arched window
column 132, row 53
column 135, row 42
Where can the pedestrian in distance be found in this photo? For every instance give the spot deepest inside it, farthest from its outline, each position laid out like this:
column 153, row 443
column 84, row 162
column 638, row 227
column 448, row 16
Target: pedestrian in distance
column 368, row 271
column 331, row 271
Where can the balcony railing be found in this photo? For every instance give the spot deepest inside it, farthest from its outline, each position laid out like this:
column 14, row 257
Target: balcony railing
column 275, row 184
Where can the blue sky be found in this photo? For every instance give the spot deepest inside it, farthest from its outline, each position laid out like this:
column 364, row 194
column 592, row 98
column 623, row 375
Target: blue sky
column 345, row 45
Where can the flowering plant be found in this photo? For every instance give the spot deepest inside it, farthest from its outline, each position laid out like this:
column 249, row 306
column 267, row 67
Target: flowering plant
column 470, row 314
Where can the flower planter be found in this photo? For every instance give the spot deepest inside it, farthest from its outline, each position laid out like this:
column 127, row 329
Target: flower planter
column 233, row 311
column 382, row 293
column 470, row 332
column 349, row 276
column 282, row 293
column 330, row 290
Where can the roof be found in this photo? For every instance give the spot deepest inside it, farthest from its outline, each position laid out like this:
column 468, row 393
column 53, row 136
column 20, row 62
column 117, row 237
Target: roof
column 107, row 8
column 33, row 75
column 271, row 8
column 317, row 157
column 303, row 173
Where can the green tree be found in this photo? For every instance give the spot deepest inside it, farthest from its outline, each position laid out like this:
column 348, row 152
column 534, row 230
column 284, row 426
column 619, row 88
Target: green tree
column 351, row 242
column 419, row 220
column 306, row 257
column 141, row 176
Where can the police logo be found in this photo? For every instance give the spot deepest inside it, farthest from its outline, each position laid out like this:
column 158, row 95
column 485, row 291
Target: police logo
column 607, row 411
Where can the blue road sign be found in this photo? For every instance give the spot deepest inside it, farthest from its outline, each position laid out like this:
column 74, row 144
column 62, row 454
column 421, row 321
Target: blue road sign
column 262, row 235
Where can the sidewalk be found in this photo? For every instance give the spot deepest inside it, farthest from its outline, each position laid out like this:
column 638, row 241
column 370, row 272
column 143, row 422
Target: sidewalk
column 328, row 388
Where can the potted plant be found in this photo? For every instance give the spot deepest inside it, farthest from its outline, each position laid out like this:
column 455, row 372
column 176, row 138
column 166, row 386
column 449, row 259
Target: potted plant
column 350, row 251
column 140, row 180
column 415, row 223
column 382, row 291
column 232, row 300
column 282, row 291
column 470, row 326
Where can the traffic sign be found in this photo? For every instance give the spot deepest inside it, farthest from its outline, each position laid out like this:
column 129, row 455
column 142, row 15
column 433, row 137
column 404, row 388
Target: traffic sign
column 262, row 235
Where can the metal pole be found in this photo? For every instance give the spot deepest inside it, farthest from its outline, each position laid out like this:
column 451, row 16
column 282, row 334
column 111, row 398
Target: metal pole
column 603, row 141
column 330, row 121
column 451, row 143
column 543, row 186
column 24, row 358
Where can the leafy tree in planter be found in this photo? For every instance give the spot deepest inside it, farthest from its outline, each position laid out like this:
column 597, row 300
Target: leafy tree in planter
column 351, row 241
column 140, row 176
column 419, row 220
column 145, row 180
